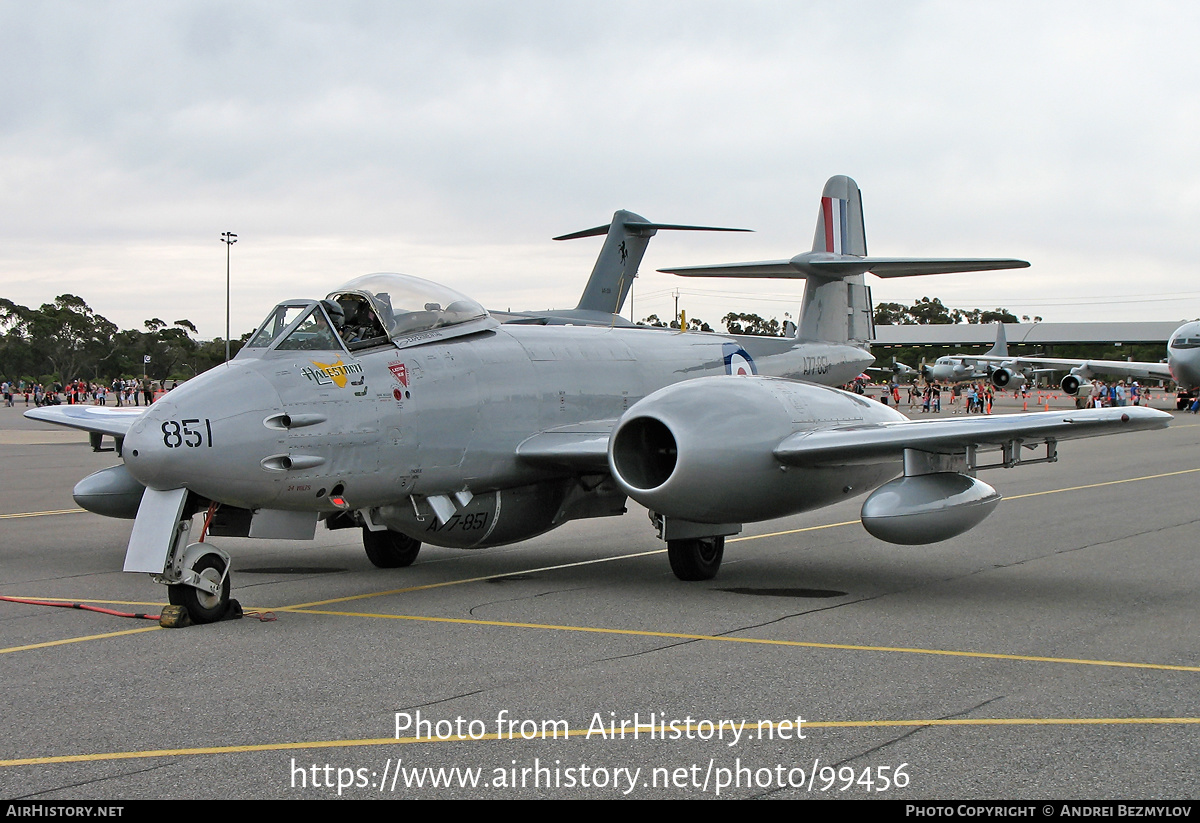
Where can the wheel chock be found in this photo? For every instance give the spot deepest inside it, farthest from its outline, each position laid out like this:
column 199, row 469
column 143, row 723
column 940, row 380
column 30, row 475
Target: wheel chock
column 234, row 612
column 175, row 617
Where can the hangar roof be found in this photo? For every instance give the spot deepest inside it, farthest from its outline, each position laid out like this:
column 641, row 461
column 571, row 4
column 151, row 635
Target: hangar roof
column 964, row 334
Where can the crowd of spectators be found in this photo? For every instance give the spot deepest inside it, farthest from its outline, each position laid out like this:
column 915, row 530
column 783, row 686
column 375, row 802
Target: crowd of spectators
column 123, row 392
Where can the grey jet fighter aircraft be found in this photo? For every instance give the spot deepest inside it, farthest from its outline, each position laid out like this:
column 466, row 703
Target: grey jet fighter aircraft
column 402, row 408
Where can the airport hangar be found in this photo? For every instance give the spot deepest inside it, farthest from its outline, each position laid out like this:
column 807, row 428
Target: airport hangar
column 1027, row 334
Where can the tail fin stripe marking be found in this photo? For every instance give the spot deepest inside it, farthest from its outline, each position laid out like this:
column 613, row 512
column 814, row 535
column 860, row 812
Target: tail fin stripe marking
column 827, row 218
column 843, row 225
column 835, row 218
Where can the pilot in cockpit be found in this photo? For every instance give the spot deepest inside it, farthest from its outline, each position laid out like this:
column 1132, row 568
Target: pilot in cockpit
column 336, row 316
column 360, row 322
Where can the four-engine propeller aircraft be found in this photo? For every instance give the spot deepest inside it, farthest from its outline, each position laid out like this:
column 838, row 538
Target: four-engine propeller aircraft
column 963, row 368
column 1004, row 370
column 402, row 408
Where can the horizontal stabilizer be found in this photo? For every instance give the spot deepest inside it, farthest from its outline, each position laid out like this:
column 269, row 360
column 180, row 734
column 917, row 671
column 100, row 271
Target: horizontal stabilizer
column 640, row 226
column 905, row 267
column 845, row 266
column 100, row 419
column 851, row 443
column 625, row 242
column 766, row 268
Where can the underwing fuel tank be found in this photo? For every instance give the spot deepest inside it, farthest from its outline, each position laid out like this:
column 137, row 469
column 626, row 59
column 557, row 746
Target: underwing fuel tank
column 112, row 492
column 927, row 508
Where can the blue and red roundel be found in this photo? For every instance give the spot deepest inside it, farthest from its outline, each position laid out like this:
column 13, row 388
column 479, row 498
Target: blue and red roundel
column 738, row 360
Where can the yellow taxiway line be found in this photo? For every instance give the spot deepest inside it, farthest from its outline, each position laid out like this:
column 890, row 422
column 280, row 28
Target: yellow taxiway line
column 759, row 640
column 40, row 514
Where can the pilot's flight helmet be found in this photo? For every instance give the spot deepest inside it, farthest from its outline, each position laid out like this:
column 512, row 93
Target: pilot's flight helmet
column 336, row 315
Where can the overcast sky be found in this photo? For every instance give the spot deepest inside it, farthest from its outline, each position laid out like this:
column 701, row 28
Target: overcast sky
column 452, row 140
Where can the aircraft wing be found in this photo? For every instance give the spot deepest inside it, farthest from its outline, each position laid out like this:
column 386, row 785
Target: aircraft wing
column 581, row 447
column 100, row 419
column 1117, row 368
column 850, row 443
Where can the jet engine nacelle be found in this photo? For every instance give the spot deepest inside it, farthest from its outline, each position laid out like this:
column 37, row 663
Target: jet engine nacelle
column 1072, row 384
column 1003, row 377
column 703, row 450
column 927, row 508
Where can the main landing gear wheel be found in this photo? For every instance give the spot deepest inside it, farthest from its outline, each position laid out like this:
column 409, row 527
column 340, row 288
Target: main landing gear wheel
column 390, row 550
column 696, row 559
column 201, row 606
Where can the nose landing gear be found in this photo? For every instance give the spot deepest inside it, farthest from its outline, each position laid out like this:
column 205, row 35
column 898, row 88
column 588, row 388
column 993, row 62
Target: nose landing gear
column 203, row 588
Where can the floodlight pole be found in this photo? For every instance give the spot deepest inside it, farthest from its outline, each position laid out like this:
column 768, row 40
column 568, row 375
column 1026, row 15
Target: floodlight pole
column 228, row 238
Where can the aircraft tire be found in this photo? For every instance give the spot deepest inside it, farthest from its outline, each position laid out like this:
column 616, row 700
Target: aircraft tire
column 390, row 550
column 203, row 607
column 696, row 559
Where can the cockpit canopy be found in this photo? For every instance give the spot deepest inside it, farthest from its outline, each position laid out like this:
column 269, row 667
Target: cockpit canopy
column 369, row 311
column 396, row 305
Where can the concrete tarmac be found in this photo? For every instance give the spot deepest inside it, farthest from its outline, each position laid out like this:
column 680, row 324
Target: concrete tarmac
column 1050, row 653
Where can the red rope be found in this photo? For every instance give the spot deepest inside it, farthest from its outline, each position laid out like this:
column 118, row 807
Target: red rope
column 82, row 606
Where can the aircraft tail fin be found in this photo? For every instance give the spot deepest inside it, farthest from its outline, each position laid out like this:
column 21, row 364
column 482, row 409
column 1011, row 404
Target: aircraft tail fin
column 626, row 238
column 840, row 228
column 1000, row 347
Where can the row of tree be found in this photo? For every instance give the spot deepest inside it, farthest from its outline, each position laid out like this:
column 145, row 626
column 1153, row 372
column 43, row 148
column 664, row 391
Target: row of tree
column 923, row 312
column 933, row 312
column 66, row 340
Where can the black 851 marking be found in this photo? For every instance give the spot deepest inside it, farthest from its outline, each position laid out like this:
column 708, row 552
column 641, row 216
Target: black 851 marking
column 178, row 433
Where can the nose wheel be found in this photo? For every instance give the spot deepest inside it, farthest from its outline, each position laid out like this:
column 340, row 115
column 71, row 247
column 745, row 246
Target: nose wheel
column 206, row 595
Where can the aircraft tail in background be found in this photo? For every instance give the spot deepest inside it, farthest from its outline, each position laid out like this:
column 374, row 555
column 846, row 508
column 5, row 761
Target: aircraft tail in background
column 837, row 302
column 626, row 238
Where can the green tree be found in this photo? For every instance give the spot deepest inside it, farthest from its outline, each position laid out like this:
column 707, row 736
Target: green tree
column 892, row 314
column 932, row 312
column 742, row 323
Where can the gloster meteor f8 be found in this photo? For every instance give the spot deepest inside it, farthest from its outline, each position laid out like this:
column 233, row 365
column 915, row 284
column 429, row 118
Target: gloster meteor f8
column 404, row 409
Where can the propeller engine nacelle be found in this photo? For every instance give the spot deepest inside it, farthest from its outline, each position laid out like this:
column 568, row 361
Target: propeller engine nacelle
column 1004, row 377
column 1073, row 384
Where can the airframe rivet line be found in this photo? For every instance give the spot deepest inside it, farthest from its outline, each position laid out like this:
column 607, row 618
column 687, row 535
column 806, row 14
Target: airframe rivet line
column 78, row 639
column 760, row 641
column 583, row 733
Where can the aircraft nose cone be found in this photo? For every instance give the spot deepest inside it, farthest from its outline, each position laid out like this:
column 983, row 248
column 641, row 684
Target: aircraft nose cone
column 205, row 435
